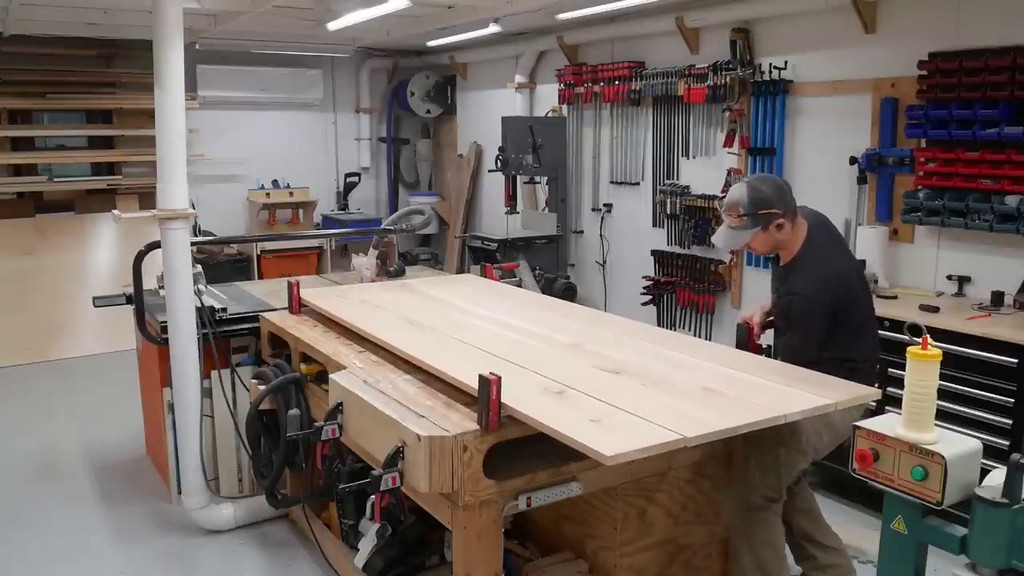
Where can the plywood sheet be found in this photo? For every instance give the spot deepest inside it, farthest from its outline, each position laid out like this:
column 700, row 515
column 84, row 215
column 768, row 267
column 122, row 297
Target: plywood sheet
column 50, row 268
column 615, row 389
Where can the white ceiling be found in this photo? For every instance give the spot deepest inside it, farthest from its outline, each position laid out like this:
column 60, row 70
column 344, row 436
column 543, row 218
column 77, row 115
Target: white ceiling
column 294, row 20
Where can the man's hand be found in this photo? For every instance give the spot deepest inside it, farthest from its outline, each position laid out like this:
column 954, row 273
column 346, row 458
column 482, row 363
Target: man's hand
column 756, row 319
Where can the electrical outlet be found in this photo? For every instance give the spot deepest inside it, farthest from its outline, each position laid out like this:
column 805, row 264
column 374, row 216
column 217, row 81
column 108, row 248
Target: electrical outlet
column 607, row 207
column 549, row 495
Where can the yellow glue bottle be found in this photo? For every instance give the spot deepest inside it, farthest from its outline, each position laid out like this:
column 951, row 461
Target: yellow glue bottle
column 920, row 393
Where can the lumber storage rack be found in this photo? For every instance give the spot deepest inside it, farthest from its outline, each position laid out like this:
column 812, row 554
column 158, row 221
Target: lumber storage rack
column 651, row 516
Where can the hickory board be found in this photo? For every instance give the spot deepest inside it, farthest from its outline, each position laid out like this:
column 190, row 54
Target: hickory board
column 615, row 389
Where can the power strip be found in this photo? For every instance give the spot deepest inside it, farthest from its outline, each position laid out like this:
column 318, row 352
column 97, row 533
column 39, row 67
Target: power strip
column 549, row 495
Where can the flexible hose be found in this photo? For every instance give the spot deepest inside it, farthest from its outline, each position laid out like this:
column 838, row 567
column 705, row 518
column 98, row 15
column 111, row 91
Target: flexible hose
column 426, row 218
column 266, row 432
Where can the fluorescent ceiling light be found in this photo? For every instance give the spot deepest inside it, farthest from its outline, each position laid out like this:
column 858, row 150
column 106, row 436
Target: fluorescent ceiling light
column 299, row 53
column 494, row 28
column 353, row 18
column 257, row 47
column 602, row 9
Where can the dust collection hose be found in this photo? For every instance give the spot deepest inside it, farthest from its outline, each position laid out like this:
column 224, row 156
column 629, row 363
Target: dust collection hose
column 266, row 432
column 426, row 219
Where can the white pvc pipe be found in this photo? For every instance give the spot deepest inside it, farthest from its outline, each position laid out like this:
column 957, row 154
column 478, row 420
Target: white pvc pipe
column 172, row 194
column 364, row 150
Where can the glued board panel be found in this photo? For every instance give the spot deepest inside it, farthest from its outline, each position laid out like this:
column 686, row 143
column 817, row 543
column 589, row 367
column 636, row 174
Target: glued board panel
column 51, row 267
column 614, row 389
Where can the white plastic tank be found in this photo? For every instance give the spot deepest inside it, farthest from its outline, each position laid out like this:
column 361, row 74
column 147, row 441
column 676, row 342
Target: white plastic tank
column 430, row 199
column 920, row 393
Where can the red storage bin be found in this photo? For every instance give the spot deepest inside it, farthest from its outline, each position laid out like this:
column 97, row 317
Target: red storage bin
column 948, row 153
column 1002, row 60
column 1014, row 186
column 1013, row 169
column 971, row 168
column 939, row 167
column 925, row 153
column 288, row 264
column 934, row 181
column 969, row 156
column 988, row 184
column 948, row 63
column 995, row 155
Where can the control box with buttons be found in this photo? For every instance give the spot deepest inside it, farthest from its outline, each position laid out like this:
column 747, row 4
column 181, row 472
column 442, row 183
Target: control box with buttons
column 939, row 474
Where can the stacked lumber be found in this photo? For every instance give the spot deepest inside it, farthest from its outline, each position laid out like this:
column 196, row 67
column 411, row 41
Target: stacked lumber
column 109, row 85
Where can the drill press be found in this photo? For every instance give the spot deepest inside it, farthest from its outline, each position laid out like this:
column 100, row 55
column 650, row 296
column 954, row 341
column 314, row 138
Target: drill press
column 922, row 467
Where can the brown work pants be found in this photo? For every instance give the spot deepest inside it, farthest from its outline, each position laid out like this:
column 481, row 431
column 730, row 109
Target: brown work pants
column 768, row 504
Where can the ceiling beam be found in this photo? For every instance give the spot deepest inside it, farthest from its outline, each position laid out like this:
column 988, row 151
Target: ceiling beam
column 867, row 12
column 691, row 36
column 33, row 28
column 144, row 18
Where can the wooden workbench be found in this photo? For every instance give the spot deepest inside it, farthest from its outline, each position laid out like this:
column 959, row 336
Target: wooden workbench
column 953, row 316
column 649, row 481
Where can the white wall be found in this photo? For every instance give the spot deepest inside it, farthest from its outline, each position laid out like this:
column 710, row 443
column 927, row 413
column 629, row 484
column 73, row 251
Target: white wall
column 243, row 144
column 821, row 134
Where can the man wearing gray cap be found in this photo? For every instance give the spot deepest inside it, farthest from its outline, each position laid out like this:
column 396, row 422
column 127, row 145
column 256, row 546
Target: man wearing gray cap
column 824, row 320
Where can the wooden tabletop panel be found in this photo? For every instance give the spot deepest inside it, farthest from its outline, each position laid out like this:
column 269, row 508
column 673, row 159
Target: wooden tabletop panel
column 615, row 389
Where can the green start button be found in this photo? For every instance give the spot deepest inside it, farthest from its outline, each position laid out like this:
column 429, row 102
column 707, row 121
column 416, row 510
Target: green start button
column 919, row 473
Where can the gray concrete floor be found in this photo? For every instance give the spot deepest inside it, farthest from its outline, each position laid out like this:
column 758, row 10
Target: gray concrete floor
column 78, row 494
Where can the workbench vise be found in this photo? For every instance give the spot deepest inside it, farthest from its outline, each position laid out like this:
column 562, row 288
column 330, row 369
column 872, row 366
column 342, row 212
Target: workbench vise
column 917, row 478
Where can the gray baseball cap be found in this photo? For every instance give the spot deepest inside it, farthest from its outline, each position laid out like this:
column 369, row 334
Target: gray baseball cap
column 750, row 206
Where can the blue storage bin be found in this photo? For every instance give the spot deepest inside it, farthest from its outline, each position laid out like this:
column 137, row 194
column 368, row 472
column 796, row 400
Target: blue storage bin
column 916, row 112
column 962, row 130
column 963, row 111
column 993, row 111
column 939, row 111
column 1011, row 133
column 914, row 130
column 937, row 131
column 987, row 131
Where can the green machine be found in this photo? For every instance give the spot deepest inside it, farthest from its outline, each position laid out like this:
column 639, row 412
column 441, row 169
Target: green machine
column 918, row 478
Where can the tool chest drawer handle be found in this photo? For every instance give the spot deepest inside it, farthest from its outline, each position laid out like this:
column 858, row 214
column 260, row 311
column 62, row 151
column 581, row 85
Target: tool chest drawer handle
column 977, row 354
column 993, row 441
column 979, row 394
column 962, row 411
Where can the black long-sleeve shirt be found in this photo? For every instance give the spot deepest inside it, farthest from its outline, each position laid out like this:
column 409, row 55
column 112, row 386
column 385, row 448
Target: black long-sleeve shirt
column 824, row 313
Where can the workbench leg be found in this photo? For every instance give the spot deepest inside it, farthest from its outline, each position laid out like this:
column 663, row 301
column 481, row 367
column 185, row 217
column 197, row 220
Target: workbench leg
column 477, row 540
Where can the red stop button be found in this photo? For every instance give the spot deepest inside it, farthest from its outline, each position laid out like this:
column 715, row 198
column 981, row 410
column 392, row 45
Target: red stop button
column 865, row 457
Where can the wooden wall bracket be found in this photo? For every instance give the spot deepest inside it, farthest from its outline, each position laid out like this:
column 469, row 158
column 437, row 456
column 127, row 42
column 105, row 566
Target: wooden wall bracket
column 570, row 51
column 392, row 71
column 460, row 68
column 867, row 12
column 691, row 36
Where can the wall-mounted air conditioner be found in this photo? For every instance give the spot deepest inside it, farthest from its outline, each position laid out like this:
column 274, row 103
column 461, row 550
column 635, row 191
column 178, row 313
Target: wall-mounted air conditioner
column 259, row 85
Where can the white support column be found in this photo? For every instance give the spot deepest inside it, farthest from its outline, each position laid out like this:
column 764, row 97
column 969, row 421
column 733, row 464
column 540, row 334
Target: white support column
column 175, row 229
column 172, row 194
